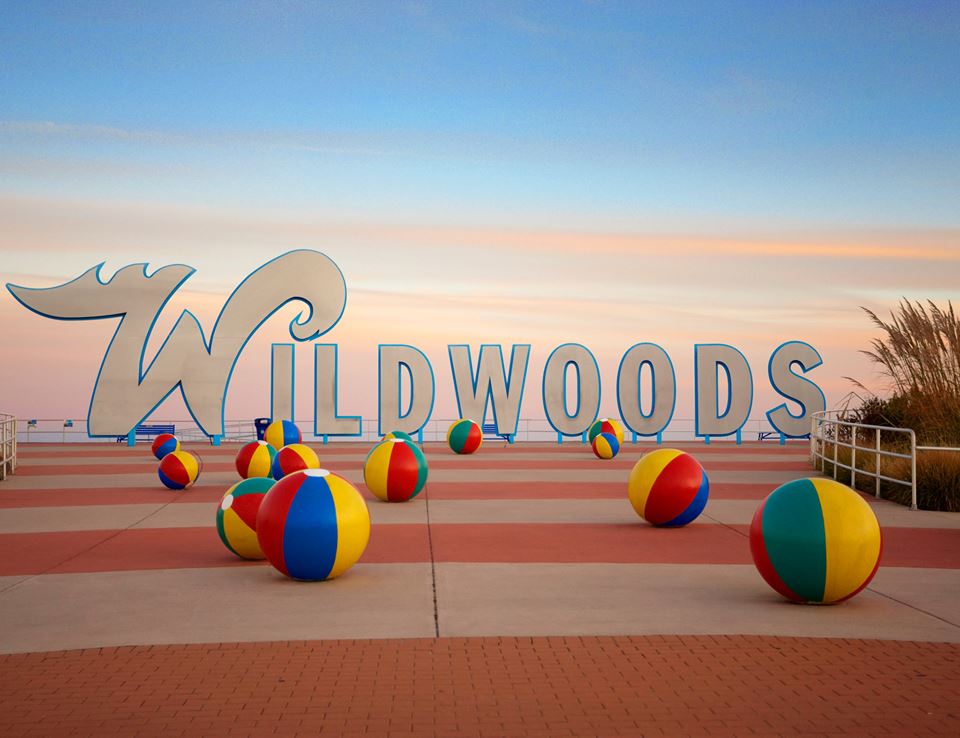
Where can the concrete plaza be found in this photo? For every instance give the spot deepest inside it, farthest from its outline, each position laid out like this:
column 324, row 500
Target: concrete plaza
column 519, row 575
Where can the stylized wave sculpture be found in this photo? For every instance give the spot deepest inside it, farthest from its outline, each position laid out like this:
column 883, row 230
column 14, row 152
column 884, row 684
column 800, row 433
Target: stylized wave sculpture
column 126, row 392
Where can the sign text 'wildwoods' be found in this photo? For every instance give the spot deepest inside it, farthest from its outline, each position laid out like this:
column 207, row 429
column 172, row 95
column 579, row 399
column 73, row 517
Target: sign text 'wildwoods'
column 127, row 392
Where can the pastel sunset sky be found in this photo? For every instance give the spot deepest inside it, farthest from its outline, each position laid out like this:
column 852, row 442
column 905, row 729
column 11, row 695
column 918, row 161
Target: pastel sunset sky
column 484, row 172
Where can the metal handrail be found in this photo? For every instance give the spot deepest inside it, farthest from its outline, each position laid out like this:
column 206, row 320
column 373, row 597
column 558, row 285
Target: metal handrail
column 58, row 430
column 821, row 423
column 8, row 445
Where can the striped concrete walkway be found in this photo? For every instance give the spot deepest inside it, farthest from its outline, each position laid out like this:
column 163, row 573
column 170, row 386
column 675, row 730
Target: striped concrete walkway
column 516, row 540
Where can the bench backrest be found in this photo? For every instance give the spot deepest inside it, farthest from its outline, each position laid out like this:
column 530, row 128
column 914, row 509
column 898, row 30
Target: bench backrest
column 490, row 429
column 146, row 430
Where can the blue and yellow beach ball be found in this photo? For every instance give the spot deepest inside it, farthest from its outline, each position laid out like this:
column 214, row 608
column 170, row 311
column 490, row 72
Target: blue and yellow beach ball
column 313, row 525
column 605, row 445
column 179, row 469
column 282, row 433
column 293, row 458
column 397, row 434
column 255, row 459
column 464, row 436
column 668, row 488
column 237, row 517
column 816, row 540
column 164, row 444
column 395, row 470
column 606, row 425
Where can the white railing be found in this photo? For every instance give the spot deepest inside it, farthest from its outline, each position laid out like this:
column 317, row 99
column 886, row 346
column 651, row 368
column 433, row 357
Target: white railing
column 8, row 445
column 58, row 430
column 829, row 434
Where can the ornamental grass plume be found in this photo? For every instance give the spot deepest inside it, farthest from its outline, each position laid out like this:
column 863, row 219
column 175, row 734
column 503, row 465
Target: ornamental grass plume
column 920, row 355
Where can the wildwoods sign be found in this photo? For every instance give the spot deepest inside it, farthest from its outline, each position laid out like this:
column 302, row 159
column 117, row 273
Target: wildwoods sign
column 127, row 392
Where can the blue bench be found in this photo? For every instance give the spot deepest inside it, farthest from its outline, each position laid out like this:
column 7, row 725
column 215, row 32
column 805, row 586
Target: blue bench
column 147, row 432
column 490, row 429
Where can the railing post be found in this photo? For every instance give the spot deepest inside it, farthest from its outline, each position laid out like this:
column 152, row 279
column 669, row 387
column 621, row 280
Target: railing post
column 877, row 465
column 913, row 470
column 853, row 457
column 836, row 445
column 813, row 441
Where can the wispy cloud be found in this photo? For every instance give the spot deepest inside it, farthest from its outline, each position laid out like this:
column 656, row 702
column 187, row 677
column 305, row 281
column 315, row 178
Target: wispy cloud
column 318, row 143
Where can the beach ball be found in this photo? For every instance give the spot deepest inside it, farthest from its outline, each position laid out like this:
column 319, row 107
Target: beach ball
column 395, row 470
column 397, row 434
column 164, row 444
column 293, row 458
column 255, row 459
column 282, row 433
column 179, row 469
column 816, row 540
column 237, row 516
column 606, row 425
column 605, row 445
column 313, row 525
column 464, row 436
column 668, row 488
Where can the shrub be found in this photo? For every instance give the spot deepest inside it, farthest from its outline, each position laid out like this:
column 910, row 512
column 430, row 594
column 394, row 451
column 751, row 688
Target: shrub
column 938, row 475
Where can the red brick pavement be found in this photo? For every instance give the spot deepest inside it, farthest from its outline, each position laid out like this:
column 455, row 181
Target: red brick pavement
column 591, row 686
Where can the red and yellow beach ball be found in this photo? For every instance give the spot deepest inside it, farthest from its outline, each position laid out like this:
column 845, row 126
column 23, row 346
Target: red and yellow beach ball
column 293, row 458
column 164, row 444
column 179, row 469
column 237, row 517
column 668, row 488
column 605, row 445
column 816, row 540
column 464, row 436
column 606, row 425
column 395, row 470
column 255, row 459
column 313, row 525
column 282, row 433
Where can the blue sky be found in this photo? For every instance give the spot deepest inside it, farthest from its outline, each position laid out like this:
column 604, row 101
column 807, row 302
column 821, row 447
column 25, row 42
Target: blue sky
column 640, row 112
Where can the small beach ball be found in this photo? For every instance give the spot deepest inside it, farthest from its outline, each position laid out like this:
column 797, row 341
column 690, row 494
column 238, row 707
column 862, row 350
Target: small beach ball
column 605, row 445
column 255, row 459
column 606, row 425
column 293, row 458
column 179, row 469
column 237, row 516
column 164, row 444
column 313, row 525
column 464, row 436
column 282, row 433
column 668, row 488
column 397, row 434
column 395, row 470
column 816, row 540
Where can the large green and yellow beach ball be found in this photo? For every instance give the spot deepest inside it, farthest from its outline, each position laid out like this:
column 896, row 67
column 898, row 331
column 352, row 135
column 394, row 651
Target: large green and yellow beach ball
column 816, row 541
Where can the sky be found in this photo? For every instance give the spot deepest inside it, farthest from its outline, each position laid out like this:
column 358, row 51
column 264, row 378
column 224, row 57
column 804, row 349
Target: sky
column 486, row 172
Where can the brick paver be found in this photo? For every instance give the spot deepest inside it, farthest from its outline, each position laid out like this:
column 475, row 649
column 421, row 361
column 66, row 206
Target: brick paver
column 569, row 686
